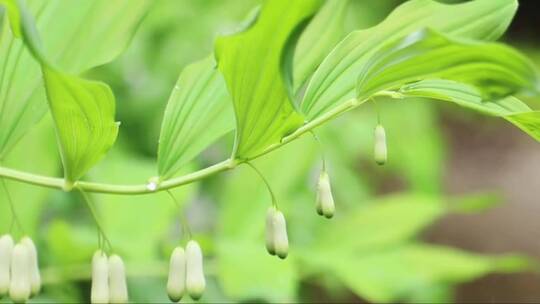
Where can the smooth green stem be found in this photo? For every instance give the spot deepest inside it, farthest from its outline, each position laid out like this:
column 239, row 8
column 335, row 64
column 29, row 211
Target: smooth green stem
column 59, row 183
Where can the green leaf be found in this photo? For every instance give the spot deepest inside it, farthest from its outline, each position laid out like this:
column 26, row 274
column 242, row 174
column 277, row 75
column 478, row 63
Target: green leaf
column 528, row 122
column 494, row 69
column 14, row 18
column 324, row 31
column 256, row 67
column 77, row 35
column 463, row 95
column 198, row 112
column 83, row 113
column 392, row 275
column 335, row 80
column 408, row 213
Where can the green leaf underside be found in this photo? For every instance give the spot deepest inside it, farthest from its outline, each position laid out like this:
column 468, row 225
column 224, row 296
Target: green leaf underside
column 509, row 108
column 198, row 112
column 83, row 113
column 335, row 80
column 76, row 35
column 252, row 65
column 324, row 31
column 495, row 70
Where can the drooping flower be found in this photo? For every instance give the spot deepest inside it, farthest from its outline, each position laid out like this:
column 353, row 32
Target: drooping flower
column 281, row 241
column 35, row 277
column 99, row 292
column 6, row 251
column 118, row 292
column 325, row 200
column 20, row 288
column 176, row 283
column 270, row 247
column 195, row 281
column 380, row 153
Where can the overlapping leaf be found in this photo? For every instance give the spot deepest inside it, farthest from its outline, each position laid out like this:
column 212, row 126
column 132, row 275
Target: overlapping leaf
column 83, row 113
column 495, row 70
column 324, row 31
column 335, row 80
column 509, row 108
column 256, row 66
column 77, row 35
column 83, row 110
column 198, row 112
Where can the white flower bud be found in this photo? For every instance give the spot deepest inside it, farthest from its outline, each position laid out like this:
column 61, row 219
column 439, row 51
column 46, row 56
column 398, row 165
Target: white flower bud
column 19, row 288
column 270, row 231
column 118, row 292
column 195, row 282
column 99, row 292
column 35, row 277
column 380, row 145
column 6, row 250
column 325, row 200
column 176, row 284
column 281, row 241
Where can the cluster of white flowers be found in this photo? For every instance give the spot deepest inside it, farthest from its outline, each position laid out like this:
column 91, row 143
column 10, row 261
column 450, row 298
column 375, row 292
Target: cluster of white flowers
column 277, row 242
column 108, row 279
column 186, row 272
column 19, row 270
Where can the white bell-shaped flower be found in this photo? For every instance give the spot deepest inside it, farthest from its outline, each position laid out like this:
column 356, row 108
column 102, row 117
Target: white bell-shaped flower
column 176, row 283
column 195, row 281
column 99, row 292
column 325, row 200
column 6, row 251
column 380, row 153
column 20, row 288
column 281, row 241
column 118, row 291
column 270, row 247
column 35, row 277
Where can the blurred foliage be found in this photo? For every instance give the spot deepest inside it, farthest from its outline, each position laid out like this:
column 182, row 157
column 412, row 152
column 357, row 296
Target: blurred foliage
column 371, row 250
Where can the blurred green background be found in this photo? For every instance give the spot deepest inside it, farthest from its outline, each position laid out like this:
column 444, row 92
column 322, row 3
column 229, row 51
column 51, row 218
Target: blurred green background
column 452, row 217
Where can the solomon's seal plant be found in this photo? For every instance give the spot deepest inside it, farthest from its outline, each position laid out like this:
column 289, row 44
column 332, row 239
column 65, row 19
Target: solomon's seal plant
column 271, row 82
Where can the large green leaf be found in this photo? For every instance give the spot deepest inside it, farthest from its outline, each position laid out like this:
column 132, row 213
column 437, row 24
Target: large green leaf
column 77, row 35
column 198, row 112
column 256, row 65
column 335, row 80
column 394, row 274
column 509, row 108
column 494, row 69
column 324, row 31
column 83, row 112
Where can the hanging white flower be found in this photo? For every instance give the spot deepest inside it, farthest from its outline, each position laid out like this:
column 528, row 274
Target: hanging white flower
column 195, row 282
column 35, row 277
column 281, row 241
column 19, row 288
column 176, row 283
column 380, row 153
column 6, row 251
column 325, row 200
column 118, row 292
column 270, row 247
column 99, row 292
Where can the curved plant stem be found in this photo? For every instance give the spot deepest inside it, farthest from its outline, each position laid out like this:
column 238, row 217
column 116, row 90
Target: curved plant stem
column 272, row 195
column 15, row 219
column 102, row 237
column 183, row 219
column 59, row 183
